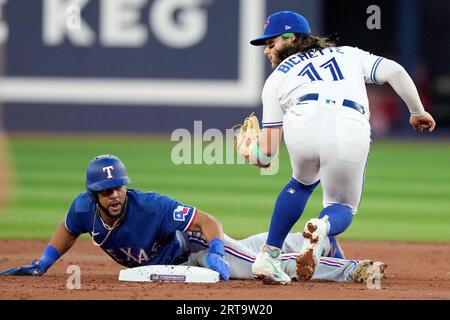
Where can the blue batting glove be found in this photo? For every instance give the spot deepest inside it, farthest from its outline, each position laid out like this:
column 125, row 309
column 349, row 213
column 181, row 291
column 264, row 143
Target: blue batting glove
column 35, row 269
column 215, row 261
column 218, row 263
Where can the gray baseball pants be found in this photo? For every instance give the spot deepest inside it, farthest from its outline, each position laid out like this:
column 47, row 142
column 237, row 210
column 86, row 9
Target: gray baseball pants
column 241, row 254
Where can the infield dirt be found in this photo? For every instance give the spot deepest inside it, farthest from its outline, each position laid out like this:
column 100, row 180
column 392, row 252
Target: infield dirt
column 415, row 271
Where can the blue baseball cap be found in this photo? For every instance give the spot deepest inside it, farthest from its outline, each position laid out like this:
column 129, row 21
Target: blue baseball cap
column 280, row 23
column 106, row 172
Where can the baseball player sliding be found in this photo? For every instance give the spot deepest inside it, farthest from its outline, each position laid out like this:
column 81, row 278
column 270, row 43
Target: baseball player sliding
column 316, row 94
column 136, row 228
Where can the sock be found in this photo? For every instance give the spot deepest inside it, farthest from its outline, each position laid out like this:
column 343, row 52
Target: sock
column 288, row 208
column 339, row 218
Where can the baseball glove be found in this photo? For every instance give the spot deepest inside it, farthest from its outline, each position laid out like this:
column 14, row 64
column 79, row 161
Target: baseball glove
column 247, row 135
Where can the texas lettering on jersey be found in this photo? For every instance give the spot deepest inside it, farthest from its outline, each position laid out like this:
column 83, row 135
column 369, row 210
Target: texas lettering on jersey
column 132, row 257
column 140, row 259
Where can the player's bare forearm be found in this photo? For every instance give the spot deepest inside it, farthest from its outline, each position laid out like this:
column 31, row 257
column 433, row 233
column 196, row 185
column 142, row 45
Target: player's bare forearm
column 267, row 147
column 62, row 240
column 208, row 225
column 269, row 141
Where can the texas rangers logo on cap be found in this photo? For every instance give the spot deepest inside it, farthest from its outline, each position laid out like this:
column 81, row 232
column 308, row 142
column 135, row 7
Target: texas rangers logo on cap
column 180, row 213
column 109, row 171
column 266, row 23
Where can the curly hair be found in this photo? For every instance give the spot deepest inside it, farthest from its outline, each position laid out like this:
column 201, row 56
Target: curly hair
column 306, row 42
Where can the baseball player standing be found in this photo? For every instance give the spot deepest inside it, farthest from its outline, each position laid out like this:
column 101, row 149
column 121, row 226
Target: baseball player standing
column 145, row 228
column 316, row 94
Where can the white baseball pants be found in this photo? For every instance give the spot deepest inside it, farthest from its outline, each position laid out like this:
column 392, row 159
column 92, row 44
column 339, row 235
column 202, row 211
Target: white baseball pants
column 330, row 143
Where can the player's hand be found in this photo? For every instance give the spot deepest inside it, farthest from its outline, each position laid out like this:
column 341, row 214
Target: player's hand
column 35, row 269
column 423, row 122
column 252, row 160
column 217, row 263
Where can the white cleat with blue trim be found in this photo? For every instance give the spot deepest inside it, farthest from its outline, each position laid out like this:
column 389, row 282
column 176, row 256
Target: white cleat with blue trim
column 267, row 266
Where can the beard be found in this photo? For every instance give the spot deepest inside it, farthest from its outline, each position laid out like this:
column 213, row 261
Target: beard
column 285, row 51
column 111, row 215
column 115, row 215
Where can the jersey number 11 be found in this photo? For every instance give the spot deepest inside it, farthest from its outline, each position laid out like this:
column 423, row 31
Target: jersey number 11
column 333, row 67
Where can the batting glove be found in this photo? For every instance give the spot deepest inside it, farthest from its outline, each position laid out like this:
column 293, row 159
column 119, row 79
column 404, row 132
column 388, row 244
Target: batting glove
column 215, row 261
column 30, row 270
column 37, row 267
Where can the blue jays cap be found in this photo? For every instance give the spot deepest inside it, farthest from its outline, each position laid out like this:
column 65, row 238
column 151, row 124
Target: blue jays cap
column 280, row 23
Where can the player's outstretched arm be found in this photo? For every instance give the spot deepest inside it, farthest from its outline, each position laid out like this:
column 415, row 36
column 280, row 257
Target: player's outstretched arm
column 213, row 232
column 62, row 241
column 401, row 82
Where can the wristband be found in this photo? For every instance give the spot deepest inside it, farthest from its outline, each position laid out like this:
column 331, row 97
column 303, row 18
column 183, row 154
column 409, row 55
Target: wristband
column 262, row 158
column 216, row 246
column 49, row 257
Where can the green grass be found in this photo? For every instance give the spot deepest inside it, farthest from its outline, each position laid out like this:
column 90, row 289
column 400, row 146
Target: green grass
column 406, row 196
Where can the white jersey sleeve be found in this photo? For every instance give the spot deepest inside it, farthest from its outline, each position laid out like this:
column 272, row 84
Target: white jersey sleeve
column 379, row 70
column 272, row 113
column 370, row 64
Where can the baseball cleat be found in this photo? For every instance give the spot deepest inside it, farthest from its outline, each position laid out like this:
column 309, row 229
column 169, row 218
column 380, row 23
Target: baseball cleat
column 335, row 249
column 367, row 269
column 314, row 234
column 267, row 266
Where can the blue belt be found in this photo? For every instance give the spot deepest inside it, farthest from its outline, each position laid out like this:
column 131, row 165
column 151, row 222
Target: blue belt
column 345, row 103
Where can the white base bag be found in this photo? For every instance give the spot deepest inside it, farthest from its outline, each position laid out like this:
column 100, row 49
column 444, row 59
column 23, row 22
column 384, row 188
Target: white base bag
column 169, row 273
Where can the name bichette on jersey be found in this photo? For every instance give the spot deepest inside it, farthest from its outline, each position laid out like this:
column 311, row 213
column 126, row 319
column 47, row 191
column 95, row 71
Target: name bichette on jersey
column 293, row 60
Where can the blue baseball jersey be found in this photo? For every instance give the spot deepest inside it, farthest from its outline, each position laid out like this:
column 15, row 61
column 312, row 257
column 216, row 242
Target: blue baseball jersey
column 147, row 233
